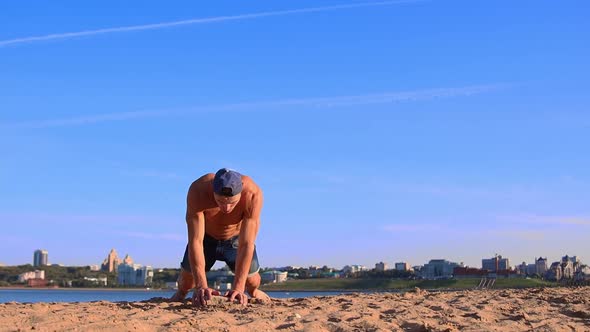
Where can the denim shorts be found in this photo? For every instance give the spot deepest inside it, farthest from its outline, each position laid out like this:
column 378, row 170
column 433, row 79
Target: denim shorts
column 221, row 250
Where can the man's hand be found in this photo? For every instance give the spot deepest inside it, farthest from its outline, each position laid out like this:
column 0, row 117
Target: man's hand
column 236, row 295
column 203, row 294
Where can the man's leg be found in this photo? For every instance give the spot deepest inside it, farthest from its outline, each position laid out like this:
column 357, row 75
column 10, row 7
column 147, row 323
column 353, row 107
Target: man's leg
column 185, row 284
column 253, row 280
column 185, row 280
column 252, row 285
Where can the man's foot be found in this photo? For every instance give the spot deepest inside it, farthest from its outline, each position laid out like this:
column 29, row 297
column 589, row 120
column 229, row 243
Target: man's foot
column 260, row 296
column 185, row 284
column 179, row 296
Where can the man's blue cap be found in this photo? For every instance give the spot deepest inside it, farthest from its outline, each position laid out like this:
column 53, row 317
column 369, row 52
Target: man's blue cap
column 227, row 182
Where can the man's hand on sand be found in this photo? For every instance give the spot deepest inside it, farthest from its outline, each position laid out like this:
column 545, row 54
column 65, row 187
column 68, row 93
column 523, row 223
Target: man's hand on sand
column 202, row 295
column 236, row 295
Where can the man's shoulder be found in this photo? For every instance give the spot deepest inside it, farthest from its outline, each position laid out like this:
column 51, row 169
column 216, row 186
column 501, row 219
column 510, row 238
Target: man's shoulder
column 200, row 194
column 253, row 196
column 202, row 186
column 250, row 186
column 203, row 181
column 206, row 177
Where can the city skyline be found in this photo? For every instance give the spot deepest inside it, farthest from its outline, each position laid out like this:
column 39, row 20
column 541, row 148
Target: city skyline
column 377, row 130
column 112, row 261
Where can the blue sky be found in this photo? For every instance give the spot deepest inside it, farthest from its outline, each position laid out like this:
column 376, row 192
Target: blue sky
column 379, row 131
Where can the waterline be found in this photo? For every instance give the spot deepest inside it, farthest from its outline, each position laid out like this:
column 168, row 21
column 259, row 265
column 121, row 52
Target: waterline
column 89, row 295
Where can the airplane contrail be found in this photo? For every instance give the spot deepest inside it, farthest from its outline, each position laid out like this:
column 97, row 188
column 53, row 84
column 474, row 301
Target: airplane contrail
column 304, row 103
column 68, row 35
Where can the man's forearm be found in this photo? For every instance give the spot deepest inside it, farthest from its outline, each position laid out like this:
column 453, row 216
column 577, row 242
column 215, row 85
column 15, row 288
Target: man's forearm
column 197, row 262
column 243, row 262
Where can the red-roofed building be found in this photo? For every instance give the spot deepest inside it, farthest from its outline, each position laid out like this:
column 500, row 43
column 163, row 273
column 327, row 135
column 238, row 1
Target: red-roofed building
column 469, row 272
column 37, row 282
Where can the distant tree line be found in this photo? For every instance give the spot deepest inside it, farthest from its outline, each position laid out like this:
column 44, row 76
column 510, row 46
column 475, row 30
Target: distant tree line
column 162, row 276
column 390, row 274
column 56, row 275
column 64, row 276
column 325, row 271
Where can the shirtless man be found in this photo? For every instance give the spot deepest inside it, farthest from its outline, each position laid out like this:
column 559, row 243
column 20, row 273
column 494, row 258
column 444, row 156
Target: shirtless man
column 223, row 216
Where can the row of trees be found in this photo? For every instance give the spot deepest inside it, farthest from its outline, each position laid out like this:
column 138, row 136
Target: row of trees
column 58, row 275
column 64, row 276
column 325, row 271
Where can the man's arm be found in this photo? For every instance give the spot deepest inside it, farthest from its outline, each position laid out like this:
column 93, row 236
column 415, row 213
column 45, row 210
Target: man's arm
column 248, row 232
column 196, row 232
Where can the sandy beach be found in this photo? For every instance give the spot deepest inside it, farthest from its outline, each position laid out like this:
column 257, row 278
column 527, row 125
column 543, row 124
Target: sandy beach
column 542, row 309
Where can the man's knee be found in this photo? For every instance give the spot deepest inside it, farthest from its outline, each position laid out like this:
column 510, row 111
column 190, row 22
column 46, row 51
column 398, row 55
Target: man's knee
column 253, row 280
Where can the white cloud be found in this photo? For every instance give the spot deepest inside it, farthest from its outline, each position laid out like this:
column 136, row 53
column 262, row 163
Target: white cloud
column 322, row 103
column 91, row 119
column 69, row 35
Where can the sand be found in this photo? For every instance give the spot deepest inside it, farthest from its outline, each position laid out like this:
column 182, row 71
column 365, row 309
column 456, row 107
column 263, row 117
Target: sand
column 543, row 309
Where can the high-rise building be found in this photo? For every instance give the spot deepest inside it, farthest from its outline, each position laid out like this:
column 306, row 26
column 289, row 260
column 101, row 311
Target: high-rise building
column 40, row 257
column 573, row 259
column 569, row 265
column 111, row 262
column 402, row 266
column 439, row 268
column 541, row 266
column 127, row 260
column 531, row 269
column 496, row 263
column 554, row 273
column 353, row 268
column 134, row 275
column 380, row 267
